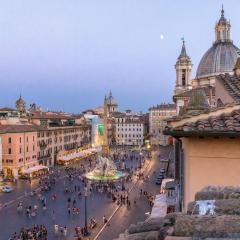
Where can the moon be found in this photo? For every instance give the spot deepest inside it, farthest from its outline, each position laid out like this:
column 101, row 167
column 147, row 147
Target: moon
column 161, row 37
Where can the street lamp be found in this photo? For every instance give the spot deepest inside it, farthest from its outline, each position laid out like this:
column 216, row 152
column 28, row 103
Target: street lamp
column 140, row 160
column 85, row 203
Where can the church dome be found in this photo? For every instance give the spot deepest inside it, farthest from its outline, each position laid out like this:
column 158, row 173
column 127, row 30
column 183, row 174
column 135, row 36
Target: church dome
column 222, row 56
column 111, row 100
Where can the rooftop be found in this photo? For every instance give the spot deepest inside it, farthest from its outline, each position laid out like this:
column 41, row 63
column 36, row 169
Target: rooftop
column 19, row 128
column 187, row 94
column 223, row 121
column 232, row 85
column 164, row 106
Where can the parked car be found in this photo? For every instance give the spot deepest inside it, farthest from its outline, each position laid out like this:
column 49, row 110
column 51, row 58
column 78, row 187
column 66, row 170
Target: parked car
column 7, row 189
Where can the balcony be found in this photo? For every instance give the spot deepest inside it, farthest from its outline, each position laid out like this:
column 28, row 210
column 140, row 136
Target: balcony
column 42, row 145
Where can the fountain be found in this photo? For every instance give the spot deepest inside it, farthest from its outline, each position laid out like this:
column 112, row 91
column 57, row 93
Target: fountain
column 105, row 170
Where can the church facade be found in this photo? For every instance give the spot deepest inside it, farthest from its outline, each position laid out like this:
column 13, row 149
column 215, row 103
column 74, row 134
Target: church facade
column 220, row 58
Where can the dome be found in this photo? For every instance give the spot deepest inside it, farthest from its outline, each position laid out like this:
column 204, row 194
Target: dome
column 20, row 102
column 111, row 100
column 220, row 58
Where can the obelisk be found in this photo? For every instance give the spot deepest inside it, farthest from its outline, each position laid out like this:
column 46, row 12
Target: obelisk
column 105, row 146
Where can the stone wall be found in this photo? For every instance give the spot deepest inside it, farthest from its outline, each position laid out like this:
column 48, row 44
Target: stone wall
column 217, row 192
column 222, row 207
column 207, row 226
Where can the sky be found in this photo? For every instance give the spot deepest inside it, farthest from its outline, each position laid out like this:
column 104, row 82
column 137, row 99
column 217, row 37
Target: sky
column 67, row 54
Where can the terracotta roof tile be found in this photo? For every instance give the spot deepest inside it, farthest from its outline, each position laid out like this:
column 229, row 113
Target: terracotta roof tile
column 217, row 124
column 187, row 94
column 231, row 83
column 19, row 128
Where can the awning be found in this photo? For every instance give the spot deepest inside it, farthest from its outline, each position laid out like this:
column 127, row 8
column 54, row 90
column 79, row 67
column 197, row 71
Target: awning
column 160, row 206
column 34, row 169
column 78, row 154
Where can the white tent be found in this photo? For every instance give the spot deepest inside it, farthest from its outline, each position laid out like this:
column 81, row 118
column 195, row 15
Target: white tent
column 34, row 169
column 78, row 154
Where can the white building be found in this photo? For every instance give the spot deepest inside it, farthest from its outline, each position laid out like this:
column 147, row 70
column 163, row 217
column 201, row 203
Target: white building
column 129, row 129
column 157, row 122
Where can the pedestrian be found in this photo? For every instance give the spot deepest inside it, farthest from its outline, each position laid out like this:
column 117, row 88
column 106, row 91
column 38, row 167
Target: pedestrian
column 104, row 220
column 65, row 231
column 69, row 210
column 56, row 228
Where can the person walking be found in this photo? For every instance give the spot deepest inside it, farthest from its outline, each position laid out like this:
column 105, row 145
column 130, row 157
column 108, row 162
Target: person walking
column 65, row 231
column 104, row 219
column 69, row 210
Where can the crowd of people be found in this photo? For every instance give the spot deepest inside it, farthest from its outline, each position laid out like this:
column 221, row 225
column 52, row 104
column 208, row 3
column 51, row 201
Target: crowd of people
column 74, row 184
column 37, row 232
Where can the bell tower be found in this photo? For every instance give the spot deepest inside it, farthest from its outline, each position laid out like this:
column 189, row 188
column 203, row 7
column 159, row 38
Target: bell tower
column 183, row 68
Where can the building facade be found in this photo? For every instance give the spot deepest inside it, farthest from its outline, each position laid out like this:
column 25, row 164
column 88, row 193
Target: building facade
column 58, row 140
column 129, row 129
column 19, row 145
column 206, row 151
column 157, row 122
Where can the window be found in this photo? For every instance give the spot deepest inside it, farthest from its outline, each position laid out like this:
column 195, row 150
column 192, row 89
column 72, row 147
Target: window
column 20, row 139
column 27, row 138
column 33, row 138
column 27, row 148
column 184, row 77
column 20, row 150
column 33, row 148
column 9, row 151
column 9, row 140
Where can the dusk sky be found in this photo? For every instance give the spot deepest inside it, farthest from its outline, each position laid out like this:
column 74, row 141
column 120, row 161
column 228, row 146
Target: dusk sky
column 66, row 55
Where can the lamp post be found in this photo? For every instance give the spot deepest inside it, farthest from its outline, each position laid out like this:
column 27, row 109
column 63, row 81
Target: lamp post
column 85, row 204
column 140, row 160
